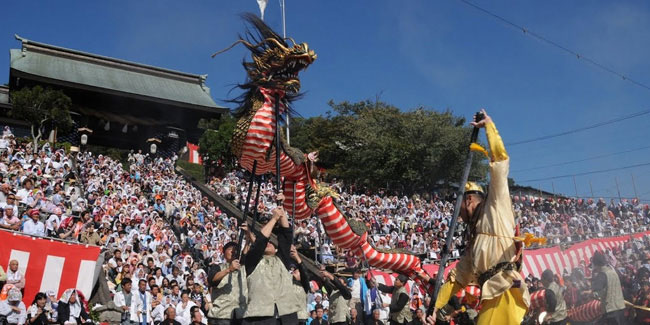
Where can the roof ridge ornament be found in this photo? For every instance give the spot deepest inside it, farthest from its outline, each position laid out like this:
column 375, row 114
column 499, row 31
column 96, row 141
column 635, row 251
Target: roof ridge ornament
column 24, row 41
column 202, row 78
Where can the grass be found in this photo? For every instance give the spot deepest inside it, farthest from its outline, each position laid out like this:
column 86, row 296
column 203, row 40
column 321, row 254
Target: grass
column 194, row 170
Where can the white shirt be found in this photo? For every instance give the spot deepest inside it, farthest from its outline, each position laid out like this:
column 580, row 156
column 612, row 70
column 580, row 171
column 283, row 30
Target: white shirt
column 75, row 311
column 137, row 305
column 34, row 228
column 158, row 313
column 4, row 206
column 16, row 278
column 23, row 193
column 356, row 289
column 12, row 316
column 183, row 313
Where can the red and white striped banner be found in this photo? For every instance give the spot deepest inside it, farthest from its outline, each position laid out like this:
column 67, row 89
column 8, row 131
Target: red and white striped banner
column 388, row 279
column 194, row 156
column 558, row 260
column 535, row 261
column 49, row 264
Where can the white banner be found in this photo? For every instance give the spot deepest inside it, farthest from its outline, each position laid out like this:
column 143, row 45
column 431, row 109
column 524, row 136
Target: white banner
column 262, row 4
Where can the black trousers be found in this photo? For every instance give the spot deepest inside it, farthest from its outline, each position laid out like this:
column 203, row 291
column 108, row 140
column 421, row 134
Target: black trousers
column 222, row 321
column 291, row 319
column 394, row 322
column 614, row 318
column 562, row 322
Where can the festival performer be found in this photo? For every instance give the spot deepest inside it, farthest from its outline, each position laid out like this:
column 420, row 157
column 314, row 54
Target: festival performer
column 400, row 313
column 606, row 286
column 558, row 314
column 268, row 280
column 493, row 258
column 228, row 289
column 301, row 285
column 339, row 297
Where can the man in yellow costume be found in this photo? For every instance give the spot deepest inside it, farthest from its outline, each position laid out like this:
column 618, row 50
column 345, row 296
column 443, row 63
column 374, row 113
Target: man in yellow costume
column 492, row 258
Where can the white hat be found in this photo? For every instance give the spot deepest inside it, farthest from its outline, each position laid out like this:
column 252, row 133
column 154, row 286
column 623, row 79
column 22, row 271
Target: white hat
column 14, row 295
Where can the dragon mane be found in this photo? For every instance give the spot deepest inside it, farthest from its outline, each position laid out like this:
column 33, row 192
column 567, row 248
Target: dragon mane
column 256, row 36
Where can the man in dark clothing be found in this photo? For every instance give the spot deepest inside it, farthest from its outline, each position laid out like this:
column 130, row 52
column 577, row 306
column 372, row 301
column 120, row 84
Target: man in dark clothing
column 196, row 315
column 606, row 286
column 354, row 319
column 70, row 309
column 170, row 317
column 319, row 316
column 229, row 290
column 268, row 278
column 300, row 286
column 375, row 319
column 557, row 312
column 419, row 317
column 339, row 297
column 400, row 312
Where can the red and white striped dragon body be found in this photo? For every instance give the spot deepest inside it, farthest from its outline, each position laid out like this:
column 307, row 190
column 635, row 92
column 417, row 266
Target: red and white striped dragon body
column 273, row 75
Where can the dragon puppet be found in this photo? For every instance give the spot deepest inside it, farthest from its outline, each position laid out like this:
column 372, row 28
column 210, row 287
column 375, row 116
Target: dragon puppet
column 273, row 75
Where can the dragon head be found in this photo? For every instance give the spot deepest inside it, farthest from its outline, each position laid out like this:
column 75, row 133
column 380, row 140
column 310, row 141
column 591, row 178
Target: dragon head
column 275, row 64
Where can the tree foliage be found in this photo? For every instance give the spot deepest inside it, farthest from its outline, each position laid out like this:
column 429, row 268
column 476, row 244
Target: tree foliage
column 39, row 107
column 215, row 141
column 376, row 145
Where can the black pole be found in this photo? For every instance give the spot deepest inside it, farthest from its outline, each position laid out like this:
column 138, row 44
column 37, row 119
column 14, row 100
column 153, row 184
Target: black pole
column 444, row 255
column 293, row 204
column 277, row 144
column 257, row 200
column 246, row 204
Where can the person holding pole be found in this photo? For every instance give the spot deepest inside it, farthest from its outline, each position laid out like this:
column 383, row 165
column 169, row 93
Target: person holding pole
column 229, row 288
column 267, row 267
column 492, row 258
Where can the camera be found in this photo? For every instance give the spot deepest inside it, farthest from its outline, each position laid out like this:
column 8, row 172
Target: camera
column 264, row 219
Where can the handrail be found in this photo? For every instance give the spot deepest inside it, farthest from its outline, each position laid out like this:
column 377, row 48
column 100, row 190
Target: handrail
column 49, row 238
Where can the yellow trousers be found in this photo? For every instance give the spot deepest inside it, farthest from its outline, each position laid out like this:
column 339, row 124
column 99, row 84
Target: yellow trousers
column 506, row 309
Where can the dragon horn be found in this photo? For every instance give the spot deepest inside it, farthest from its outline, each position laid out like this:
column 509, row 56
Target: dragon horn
column 291, row 39
column 274, row 41
column 251, row 45
column 233, row 45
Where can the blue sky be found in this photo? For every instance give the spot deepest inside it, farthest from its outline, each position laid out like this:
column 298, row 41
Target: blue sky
column 436, row 54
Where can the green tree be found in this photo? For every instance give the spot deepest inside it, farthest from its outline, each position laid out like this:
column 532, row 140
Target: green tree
column 215, row 141
column 39, row 106
column 376, row 145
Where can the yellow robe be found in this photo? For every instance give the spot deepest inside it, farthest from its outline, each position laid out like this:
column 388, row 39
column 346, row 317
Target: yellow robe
column 494, row 243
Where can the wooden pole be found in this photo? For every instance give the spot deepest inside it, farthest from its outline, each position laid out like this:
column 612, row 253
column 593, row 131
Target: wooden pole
column 446, row 249
column 618, row 189
column 575, row 185
column 246, row 205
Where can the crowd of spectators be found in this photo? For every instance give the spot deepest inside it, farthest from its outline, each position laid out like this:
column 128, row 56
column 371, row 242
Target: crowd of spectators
column 419, row 223
column 161, row 236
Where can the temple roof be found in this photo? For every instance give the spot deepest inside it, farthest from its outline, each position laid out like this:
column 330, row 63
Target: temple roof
column 93, row 72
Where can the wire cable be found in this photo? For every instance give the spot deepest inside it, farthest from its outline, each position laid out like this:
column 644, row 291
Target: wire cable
column 586, row 173
column 579, row 160
column 557, row 45
column 584, row 128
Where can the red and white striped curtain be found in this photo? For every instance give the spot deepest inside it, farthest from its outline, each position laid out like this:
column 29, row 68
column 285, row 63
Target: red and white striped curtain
column 535, row 261
column 194, row 156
